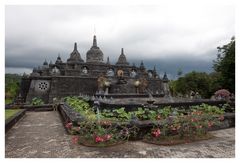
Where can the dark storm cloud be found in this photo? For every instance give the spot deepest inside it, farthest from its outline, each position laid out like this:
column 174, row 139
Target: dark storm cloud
column 170, row 37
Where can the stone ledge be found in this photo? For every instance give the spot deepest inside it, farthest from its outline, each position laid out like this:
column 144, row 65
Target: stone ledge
column 10, row 122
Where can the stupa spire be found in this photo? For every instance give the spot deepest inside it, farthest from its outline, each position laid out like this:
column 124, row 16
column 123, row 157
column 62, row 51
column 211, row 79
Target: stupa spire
column 75, row 46
column 95, row 41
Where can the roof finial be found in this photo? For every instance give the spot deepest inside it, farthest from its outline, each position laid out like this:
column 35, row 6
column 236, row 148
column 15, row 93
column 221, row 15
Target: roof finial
column 108, row 62
column 122, row 51
column 75, row 46
column 94, row 41
column 154, row 68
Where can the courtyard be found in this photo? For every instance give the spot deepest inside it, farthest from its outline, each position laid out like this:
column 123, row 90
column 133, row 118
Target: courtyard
column 42, row 135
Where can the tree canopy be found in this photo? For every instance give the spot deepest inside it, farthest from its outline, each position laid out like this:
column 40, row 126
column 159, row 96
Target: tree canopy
column 225, row 65
column 206, row 84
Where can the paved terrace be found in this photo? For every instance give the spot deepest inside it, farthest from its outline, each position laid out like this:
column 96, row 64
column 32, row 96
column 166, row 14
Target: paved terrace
column 41, row 135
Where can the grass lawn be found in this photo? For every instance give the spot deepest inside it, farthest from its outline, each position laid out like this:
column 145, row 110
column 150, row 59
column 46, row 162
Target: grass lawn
column 8, row 101
column 9, row 113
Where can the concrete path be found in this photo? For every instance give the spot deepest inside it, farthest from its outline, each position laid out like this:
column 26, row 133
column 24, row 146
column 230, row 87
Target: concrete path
column 41, row 135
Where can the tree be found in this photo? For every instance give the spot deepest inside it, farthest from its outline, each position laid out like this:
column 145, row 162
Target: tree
column 225, row 65
column 193, row 81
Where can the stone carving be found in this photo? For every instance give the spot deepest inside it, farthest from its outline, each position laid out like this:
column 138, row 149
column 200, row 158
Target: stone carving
column 133, row 73
column 110, row 72
column 120, row 73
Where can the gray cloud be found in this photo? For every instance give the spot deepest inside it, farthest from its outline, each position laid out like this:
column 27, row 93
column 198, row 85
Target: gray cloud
column 170, row 37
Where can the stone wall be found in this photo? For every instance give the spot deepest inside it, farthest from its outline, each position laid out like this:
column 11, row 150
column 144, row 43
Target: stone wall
column 39, row 87
column 50, row 87
column 69, row 86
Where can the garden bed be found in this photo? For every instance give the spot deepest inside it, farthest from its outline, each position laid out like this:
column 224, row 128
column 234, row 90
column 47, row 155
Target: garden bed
column 139, row 123
column 12, row 117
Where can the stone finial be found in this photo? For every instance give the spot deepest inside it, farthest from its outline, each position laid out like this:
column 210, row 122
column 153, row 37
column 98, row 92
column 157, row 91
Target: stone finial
column 165, row 78
column 45, row 62
column 95, row 41
column 122, row 52
column 75, row 46
column 142, row 65
column 154, row 68
column 108, row 62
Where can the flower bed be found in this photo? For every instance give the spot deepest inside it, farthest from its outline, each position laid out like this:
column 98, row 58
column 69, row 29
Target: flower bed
column 183, row 128
column 160, row 126
column 99, row 134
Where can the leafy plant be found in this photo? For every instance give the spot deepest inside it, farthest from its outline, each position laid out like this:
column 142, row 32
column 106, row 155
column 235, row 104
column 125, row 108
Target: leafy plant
column 37, row 101
column 165, row 112
column 81, row 106
column 121, row 114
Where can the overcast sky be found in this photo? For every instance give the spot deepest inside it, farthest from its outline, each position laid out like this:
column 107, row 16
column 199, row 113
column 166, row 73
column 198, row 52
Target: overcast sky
column 170, row 37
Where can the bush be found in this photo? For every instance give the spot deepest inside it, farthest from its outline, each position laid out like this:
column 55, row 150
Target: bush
column 37, row 101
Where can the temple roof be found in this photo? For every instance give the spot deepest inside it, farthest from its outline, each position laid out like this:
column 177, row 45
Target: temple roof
column 75, row 56
column 94, row 54
column 142, row 67
column 122, row 59
column 165, row 78
column 45, row 62
column 59, row 60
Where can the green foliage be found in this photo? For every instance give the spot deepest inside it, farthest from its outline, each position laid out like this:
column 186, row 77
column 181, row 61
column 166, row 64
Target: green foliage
column 165, row 112
column 37, row 101
column 225, row 65
column 121, row 114
column 208, row 109
column 140, row 114
column 194, row 81
column 81, row 106
column 12, row 86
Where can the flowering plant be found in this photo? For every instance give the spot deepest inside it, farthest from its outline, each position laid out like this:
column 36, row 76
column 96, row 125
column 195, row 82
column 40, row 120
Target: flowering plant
column 102, row 133
column 222, row 94
column 156, row 132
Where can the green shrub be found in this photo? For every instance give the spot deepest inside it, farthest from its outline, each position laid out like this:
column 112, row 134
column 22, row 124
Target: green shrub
column 37, row 101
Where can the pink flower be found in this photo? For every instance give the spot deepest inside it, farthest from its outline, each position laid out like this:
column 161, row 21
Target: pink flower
column 210, row 124
column 68, row 125
column 99, row 139
column 107, row 137
column 156, row 132
column 221, row 118
column 75, row 139
column 222, row 93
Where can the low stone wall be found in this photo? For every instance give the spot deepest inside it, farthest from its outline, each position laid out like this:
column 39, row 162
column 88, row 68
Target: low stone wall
column 133, row 107
column 47, row 107
column 68, row 114
column 10, row 122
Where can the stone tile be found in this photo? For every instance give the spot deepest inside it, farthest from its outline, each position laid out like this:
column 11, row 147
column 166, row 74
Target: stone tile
column 41, row 135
